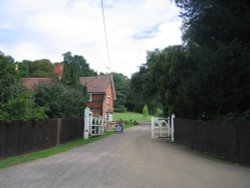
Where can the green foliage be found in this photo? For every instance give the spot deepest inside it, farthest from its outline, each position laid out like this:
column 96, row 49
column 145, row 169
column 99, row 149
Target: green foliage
column 22, row 107
column 38, row 68
column 208, row 76
column 121, row 83
column 52, row 100
column 15, row 102
column 60, row 100
column 143, row 90
column 75, row 67
column 159, row 112
column 145, row 110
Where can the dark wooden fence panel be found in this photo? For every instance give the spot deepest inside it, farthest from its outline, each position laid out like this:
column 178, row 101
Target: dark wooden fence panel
column 2, row 141
column 226, row 140
column 71, row 129
column 243, row 137
column 21, row 137
column 45, row 134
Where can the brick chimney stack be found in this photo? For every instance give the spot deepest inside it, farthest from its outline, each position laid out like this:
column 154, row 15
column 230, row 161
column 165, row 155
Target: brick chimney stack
column 58, row 70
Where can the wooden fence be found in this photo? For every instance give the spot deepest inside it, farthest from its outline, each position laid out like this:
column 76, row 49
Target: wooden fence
column 21, row 137
column 230, row 141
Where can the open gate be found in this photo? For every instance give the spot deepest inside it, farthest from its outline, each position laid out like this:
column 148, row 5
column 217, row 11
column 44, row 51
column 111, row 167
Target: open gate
column 162, row 127
column 93, row 125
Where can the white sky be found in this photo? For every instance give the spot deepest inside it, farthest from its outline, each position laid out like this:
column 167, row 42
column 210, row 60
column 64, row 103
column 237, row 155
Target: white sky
column 37, row 29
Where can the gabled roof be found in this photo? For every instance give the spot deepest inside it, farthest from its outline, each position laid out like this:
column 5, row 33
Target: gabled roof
column 98, row 84
column 31, row 83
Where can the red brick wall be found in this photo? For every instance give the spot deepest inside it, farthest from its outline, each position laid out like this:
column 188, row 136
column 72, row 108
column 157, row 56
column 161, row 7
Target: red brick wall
column 99, row 104
column 108, row 107
column 96, row 104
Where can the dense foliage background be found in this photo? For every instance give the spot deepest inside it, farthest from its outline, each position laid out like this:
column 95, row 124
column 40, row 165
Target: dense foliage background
column 208, row 76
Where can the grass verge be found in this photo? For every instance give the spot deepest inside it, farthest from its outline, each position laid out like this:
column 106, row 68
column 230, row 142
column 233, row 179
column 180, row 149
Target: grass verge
column 11, row 161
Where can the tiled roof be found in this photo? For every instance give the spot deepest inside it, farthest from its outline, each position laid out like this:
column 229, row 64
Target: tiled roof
column 31, row 83
column 98, row 84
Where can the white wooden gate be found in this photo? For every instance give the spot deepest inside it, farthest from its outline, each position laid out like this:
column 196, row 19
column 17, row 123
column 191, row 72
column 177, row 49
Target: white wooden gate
column 162, row 127
column 93, row 125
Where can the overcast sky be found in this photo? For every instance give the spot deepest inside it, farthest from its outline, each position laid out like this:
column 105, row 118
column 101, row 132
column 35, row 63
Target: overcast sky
column 37, row 29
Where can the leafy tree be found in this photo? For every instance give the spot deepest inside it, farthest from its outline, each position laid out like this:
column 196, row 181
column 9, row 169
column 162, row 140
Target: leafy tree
column 37, row 68
column 22, row 107
column 60, row 100
column 75, row 67
column 216, row 34
column 23, row 68
column 15, row 102
column 208, row 76
column 121, row 83
column 143, row 90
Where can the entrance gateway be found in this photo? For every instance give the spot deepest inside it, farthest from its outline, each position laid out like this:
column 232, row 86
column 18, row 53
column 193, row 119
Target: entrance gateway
column 93, row 125
column 162, row 127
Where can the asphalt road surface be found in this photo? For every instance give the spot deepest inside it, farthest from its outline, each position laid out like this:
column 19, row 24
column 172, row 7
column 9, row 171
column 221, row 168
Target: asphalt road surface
column 131, row 160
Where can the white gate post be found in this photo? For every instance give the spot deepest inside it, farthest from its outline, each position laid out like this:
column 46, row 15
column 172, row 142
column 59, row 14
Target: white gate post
column 87, row 118
column 172, row 127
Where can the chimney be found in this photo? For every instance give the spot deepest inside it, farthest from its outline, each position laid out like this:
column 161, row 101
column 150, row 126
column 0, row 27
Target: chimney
column 58, row 70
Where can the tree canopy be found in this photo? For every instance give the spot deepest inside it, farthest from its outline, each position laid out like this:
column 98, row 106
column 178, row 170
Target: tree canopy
column 75, row 67
column 16, row 103
column 37, row 68
column 208, row 76
column 122, row 88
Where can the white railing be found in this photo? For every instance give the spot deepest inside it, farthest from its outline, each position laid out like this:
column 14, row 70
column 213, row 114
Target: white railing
column 93, row 125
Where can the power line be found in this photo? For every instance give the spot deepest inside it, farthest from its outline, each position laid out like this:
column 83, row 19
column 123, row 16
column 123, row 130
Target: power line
column 106, row 36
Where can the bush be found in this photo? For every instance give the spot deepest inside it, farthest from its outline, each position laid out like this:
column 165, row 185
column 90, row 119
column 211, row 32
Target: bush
column 61, row 101
column 20, row 105
column 145, row 110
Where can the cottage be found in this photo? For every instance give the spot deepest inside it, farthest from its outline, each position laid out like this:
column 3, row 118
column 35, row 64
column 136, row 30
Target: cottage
column 102, row 94
column 101, row 91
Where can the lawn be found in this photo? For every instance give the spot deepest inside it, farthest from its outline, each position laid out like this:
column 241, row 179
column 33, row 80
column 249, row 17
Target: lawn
column 130, row 116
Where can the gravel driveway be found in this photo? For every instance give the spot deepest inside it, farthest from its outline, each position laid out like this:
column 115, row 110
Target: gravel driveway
column 131, row 160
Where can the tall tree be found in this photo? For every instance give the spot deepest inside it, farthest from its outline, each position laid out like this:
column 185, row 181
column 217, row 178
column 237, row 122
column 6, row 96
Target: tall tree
column 37, row 68
column 121, row 86
column 216, row 33
column 15, row 102
column 75, row 67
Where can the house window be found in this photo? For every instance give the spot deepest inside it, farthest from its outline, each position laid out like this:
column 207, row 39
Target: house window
column 109, row 117
column 90, row 97
column 108, row 100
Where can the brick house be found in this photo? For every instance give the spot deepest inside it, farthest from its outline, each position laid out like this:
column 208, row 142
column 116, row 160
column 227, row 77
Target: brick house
column 102, row 94
column 101, row 90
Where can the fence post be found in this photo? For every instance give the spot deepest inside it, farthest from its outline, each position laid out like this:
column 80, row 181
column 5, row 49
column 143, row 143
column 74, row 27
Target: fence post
column 59, row 131
column 172, row 127
column 2, row 139
column 87, row 119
